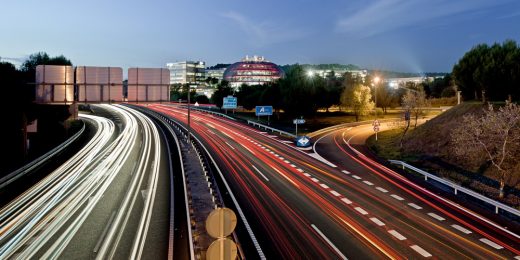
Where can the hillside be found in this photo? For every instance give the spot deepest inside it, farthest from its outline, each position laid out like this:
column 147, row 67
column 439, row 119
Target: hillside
column 433, row 137
column 429, row 147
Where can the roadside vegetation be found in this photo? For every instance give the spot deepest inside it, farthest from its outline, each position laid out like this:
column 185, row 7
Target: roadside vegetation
column 477, row 143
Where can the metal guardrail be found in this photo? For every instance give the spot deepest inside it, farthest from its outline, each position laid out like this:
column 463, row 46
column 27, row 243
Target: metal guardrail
column 458, row 188
column 212, row 112
column 270, row 128
column 15, row 175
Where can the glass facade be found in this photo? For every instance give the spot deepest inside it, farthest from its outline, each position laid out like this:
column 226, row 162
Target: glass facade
column 252, row 71
column 191, row 72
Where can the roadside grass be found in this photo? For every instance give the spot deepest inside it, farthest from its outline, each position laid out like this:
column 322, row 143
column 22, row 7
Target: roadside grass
column 428, row 147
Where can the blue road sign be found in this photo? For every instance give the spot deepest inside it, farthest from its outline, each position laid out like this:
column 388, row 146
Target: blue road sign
column 303, row 141
column 264, row 111
column 229, row 102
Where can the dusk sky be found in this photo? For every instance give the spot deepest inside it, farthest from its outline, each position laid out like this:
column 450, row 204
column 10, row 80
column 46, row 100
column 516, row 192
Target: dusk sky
column 409, row 36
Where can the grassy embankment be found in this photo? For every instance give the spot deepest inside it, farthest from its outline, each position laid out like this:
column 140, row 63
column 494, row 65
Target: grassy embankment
column 429, row 147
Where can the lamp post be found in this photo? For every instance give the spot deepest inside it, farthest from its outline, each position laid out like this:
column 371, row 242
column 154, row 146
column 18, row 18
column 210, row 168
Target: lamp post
column 376, row 81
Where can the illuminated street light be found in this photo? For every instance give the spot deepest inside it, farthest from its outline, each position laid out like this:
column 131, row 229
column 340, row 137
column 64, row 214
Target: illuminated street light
column 310, row 73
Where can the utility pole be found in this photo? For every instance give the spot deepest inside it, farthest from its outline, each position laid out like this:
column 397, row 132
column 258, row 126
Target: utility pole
column 189, row 126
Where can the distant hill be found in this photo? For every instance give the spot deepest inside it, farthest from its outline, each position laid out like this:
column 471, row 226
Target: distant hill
column 218, row 66
column 333, row 66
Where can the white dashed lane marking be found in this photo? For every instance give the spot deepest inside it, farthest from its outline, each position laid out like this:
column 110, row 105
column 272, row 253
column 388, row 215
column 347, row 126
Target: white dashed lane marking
column 368, row 183
column 381, row 189
column 356, row 177
column 396, row 234
column 347, row 201
column 435, row 216
column 256, row 169
column 314, row 180
column 335, row 193
column 396, row 197
column 300, row 170
column 490, row 243
column 360, row 210
column 306, row 174
column 414, row 206
column 461, row 229
column 377, row 221
column 324, row 186
column 345, row 172
column 421, row 251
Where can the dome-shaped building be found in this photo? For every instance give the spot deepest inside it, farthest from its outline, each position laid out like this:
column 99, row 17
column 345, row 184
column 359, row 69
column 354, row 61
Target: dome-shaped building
column 252, row 71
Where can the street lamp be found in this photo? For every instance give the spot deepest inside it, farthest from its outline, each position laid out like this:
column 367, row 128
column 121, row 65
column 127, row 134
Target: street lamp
column 310, row 73
column 376, row 81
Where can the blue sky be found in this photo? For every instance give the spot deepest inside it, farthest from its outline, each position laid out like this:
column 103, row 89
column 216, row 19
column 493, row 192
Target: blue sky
column 401, row 35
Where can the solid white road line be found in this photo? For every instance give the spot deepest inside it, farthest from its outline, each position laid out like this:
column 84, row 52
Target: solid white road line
column 368, row 183
column 490, row 243
column 328, row 242
column 413, row 205
column 421, row 251
column 461, row 229
column 260, row 173
column 347, row 201
column 335, row 193
column 360, row 210
column 396, row 234
column 381, row 189
column 435, row 216
column 396, row 197
column 377, row 221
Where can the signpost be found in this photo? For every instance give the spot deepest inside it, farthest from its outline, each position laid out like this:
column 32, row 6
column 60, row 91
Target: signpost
column 376, row 125
column 264, row 111
column 229, row 102
column 298, row 121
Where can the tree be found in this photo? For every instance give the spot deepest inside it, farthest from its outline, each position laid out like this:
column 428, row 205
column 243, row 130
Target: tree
column 223, row 90
column 298, row 92
column 490, row 71
column 202, row 99
column 495, row 136
column 249, row 96
column 357, row 98
column 385, row 97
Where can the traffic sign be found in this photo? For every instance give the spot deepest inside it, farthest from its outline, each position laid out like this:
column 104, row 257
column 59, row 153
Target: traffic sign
column 229, row 102
column 222, row 249
column 376, row 128
column 376, row 123
column 303, row 141
column 264, row 111
column 299, row 121
column 221, row 222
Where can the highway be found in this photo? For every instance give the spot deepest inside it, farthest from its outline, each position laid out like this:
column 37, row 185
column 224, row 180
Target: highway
column 308, row 208
column 101, row 203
